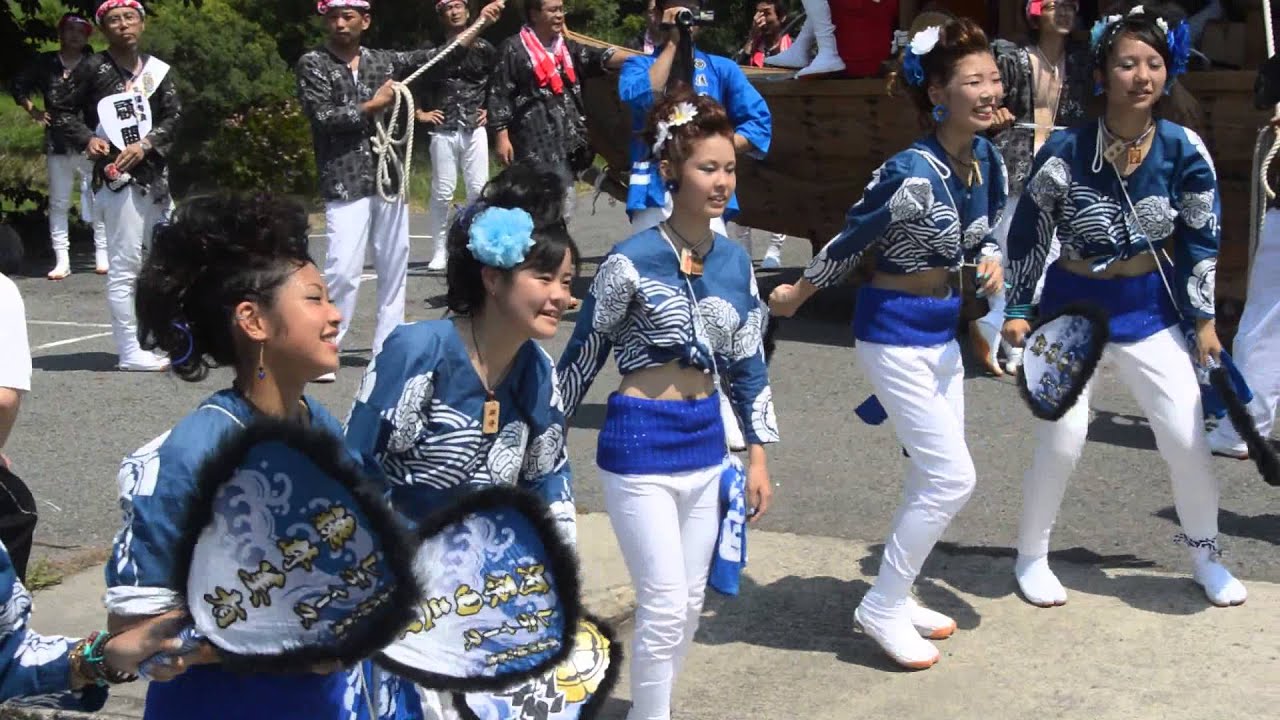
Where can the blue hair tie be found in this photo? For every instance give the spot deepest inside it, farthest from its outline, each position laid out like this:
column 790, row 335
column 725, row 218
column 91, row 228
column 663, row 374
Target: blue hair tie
column 191, row 343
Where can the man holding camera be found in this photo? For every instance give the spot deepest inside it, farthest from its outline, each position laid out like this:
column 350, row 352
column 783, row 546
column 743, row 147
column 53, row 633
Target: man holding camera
column 645, row 77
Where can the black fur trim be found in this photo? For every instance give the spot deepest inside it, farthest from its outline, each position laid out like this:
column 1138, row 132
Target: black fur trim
column 602, row 693
column 560, row 557
column 1260, row 450
column 1102, row 326
column 326, row 451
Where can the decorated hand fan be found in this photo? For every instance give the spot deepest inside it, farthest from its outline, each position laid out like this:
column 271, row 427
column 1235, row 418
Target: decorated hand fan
column 576, row 688
column 292, row 559
column 1060, row 354
column 499, row 589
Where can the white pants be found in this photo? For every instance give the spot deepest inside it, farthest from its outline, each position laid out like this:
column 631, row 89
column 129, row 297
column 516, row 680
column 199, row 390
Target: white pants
column 994, row 319
column 1257, row 345
column 651, row 217
column 922, row 390
column 666, row 527
column 452, row 151
column 130, row 218
column 351, row 225
column 63, row 169
column 1158, row 372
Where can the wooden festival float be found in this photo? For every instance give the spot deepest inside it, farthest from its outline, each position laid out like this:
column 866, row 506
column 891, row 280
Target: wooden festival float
column 829, row 134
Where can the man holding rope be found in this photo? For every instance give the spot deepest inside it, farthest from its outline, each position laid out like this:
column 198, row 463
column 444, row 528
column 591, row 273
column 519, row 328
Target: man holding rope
column 343, row 88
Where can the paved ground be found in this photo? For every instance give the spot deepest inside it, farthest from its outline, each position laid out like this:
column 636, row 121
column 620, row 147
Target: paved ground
column 835, row 476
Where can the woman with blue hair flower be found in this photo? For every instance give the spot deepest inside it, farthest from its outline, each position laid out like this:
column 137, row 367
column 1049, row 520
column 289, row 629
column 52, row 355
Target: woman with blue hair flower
column 453, row 405
column 926, row 212
column 1134, row 202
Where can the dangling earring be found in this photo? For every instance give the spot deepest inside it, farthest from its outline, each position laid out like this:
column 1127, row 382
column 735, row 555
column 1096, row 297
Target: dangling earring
column 940, row 113
column 1168, row 87
column 1097, row 87
column 262, row 370
column 672, row 186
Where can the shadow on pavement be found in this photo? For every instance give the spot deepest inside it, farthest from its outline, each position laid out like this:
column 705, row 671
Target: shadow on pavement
column 809, row 614
column 74, row 362
column 988, row 572
column 1255, row 527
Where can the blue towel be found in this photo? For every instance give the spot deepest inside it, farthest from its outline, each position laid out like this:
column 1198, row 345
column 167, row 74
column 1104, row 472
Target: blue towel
column 731, row 543
column 871, row 411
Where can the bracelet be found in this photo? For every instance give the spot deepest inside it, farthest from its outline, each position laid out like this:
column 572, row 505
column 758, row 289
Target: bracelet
column 78, row 670
column 95, row 661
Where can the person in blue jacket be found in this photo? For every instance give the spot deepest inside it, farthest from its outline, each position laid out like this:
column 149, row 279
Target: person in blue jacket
column 1135, row 204
column 35, row 664
column 450, row 406
column 928, row 211
column 229, row 283
column 644, row 80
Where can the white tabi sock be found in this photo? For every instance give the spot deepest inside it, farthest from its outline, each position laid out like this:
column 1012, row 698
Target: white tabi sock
column 1219, row 585
column 1038, row 583
column 889, row 624
column 930, row 624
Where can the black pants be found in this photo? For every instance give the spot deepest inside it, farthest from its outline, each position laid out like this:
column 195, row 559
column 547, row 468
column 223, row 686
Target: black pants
column 17, row 520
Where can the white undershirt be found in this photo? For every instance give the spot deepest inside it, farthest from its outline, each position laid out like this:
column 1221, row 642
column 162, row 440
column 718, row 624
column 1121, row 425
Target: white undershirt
column 15, row 360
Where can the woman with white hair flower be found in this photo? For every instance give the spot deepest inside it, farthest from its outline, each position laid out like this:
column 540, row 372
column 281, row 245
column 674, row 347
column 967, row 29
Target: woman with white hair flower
column 679, row 303
column 1122, row 195
column 926, row 212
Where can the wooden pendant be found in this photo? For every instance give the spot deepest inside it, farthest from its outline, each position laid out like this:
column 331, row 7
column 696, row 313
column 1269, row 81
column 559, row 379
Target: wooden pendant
column 491, row 411
column 690, row 264
column 1135, row 156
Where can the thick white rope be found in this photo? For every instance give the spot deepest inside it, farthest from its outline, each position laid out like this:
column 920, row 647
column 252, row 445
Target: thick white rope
column 393, row 146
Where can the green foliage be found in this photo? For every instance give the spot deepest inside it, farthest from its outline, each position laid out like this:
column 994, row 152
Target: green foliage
column 266, row 148
column 233, row 84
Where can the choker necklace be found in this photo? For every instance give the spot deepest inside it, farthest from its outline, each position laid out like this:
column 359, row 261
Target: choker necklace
column 492, row 408
column 1117, row 144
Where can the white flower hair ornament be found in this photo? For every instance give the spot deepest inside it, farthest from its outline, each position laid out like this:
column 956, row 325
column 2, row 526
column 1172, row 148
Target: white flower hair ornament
column 921, row 44
column 681, row 114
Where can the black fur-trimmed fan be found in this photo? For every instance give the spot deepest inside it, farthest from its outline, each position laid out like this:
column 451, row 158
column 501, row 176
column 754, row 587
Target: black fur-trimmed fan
column 1060, row 355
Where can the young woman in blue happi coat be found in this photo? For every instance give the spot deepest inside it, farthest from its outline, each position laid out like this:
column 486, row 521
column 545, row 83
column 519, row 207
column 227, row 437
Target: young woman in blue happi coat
column 229, row 283
column 926, row 212
column 1135, row 205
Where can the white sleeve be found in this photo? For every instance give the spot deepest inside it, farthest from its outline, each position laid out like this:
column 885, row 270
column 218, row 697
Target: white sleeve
column 15, row 361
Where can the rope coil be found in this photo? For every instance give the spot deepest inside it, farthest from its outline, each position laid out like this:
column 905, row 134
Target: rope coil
column 393, row 145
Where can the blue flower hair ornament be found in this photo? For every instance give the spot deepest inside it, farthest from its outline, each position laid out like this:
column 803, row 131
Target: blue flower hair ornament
column 1178, row 38
column 500, row 237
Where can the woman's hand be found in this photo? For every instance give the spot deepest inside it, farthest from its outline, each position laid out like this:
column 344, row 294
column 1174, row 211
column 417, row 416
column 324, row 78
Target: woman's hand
column 159, row 634
column 990, row 277
column 1207, row 342
column 1003, row 118
column 785, row 300
column 1015, row 331
column 759, row 488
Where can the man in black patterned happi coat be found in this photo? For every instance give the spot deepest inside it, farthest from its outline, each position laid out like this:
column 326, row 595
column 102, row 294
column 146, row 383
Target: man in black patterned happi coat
column 133, row 182
column 343, row 88
column 535, row 99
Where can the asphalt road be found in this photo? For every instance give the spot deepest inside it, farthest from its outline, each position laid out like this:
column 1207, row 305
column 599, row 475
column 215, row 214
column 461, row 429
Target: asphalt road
column 835, row 476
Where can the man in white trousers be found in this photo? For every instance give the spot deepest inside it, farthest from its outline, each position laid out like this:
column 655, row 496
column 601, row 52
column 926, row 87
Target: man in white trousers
column 133, row 183
column 451, row 102
column 63, row 163
column 343, row 88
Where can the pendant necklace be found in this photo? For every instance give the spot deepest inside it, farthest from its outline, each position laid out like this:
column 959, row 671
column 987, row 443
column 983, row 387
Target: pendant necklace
column 975, row 170
column 690, row 255
column 492, row 408
column 1131, row 148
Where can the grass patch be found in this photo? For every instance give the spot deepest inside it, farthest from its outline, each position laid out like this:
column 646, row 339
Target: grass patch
column 42, row 574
